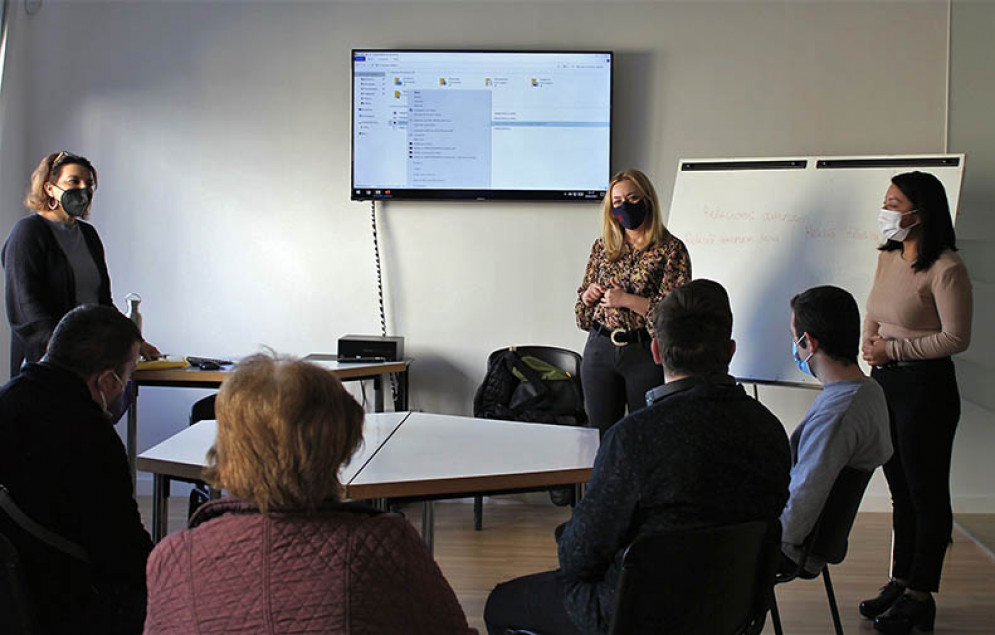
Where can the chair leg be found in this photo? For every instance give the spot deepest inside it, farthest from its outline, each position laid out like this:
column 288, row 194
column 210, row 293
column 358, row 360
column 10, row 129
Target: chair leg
column 197, row 498
column 831, row 596
column 775, row 615
column 478, row 512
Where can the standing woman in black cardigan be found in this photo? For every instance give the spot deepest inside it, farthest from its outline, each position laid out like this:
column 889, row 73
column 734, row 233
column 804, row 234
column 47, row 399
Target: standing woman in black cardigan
column 54, row 261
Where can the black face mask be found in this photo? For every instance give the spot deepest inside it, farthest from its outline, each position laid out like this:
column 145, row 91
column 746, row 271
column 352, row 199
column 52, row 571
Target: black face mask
column 75, row 202
column 630, row 215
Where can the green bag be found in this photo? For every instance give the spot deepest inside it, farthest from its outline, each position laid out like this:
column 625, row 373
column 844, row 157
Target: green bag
column 546, row 371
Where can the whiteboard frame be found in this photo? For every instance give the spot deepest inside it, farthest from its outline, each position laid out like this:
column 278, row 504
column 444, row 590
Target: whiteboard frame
column 899, row 163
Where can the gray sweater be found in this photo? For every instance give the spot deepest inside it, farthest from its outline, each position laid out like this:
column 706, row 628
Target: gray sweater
column 847, row 425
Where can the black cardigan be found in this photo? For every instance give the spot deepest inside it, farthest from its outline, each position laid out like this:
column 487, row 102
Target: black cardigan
column 41, row 285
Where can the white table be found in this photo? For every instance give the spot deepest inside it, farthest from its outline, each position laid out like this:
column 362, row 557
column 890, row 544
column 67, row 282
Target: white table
column 414, row 455
column 432, row 454
column 184, row 456
column 193, row 377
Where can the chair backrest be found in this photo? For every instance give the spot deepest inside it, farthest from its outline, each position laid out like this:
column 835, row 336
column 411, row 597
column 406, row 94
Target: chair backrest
column 16, row 613
column 562, row 358
column 502, row 396
column 829, row 538
column 705, row 581
column 203, row 409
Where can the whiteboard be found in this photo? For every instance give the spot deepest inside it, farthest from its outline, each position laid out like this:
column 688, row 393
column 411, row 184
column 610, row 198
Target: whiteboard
column 767, row 229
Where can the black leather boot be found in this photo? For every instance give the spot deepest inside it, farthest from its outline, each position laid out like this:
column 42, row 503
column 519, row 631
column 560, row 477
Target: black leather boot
column 873, row 607
column 905, row 614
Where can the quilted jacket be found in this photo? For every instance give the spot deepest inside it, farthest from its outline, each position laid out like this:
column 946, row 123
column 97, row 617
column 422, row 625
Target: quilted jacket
column 346, row 569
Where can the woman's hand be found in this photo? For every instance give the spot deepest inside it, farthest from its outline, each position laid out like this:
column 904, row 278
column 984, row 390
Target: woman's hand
column 149, row 351
column 874, row 351
column 615, row 297
column 592, row 294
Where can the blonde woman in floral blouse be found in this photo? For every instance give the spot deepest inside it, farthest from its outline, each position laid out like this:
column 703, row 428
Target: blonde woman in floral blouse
column 634, row 264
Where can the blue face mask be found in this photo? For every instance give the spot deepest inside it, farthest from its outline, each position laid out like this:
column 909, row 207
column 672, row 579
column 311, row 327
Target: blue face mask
column 802, row 364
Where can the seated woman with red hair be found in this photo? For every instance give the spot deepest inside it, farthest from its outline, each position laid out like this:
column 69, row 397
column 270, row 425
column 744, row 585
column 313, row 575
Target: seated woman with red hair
column 284, row 555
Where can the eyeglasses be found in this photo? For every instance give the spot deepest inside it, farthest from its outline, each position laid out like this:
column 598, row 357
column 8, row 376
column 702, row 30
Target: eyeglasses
column 68, row 157
column 64, row 157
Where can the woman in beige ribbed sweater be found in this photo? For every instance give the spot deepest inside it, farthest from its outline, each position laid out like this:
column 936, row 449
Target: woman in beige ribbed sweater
column 918, row 315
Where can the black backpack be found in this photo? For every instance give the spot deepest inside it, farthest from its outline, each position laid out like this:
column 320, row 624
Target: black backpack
column 528, row 388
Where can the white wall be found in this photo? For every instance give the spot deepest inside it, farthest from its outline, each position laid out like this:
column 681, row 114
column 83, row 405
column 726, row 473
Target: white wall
column 972, row 101
column 221, row 132
column 14, row 169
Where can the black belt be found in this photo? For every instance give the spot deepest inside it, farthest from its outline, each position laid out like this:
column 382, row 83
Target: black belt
column 915, row 362
column 621, row 337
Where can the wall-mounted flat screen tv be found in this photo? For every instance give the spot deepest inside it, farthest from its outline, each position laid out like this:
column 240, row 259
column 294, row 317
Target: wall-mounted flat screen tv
column 486, row 125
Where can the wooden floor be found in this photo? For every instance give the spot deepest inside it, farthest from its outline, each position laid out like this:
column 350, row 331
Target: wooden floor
column 518, row 539
column 981, row 529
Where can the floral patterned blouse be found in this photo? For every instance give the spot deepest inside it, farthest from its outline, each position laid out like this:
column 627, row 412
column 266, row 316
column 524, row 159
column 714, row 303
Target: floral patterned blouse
column 650, row 273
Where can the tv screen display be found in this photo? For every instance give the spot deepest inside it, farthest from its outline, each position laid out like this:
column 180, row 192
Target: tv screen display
column 489, row 125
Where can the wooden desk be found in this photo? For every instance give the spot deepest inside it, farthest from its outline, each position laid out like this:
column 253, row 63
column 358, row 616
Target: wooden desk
column 414, row 454
column 193, row 377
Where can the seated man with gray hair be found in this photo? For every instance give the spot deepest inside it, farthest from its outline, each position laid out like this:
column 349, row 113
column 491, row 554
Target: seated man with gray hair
column 68, row 507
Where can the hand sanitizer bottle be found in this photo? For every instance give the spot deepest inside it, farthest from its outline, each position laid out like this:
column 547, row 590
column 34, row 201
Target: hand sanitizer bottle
column 133, row 300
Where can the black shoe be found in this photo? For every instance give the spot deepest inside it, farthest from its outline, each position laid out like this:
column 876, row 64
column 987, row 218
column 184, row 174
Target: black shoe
column 905, row 614
column 890, row 592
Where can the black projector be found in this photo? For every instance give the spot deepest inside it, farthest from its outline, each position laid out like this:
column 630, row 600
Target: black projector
column 370, row 348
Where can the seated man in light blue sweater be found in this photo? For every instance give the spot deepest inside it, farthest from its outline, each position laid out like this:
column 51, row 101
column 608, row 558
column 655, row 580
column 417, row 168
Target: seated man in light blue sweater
column 847, row 424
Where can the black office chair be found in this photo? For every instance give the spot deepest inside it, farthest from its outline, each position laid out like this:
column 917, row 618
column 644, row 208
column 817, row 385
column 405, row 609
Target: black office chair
column 16, row 614
column 703, row 581
column 30, row 553
column 202, row 410
column 829, row 538
column 706, row 581
column 567, row 361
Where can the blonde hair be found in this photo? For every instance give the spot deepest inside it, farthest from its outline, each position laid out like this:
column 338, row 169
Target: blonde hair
column 612, row 233
column 285, row 427
column 48, row 171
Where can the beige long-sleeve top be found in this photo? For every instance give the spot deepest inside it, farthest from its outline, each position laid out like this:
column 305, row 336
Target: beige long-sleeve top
column 923, row 315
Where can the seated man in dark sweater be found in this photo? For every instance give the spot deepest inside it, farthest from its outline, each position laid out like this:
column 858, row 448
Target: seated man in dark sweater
column 702, row 453
column 65, row 468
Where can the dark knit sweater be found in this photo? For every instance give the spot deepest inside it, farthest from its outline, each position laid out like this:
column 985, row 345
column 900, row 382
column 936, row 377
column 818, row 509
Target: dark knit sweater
column 67, row 470
column 703, row 454
column 41, row 285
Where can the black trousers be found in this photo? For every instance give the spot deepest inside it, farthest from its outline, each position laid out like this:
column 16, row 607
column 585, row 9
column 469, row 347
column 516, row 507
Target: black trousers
column 533, row 603
column 924, row 408
column 615, row 377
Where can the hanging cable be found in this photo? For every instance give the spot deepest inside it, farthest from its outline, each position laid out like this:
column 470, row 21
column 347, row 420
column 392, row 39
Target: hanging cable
column 383, row 314
column 376, row 255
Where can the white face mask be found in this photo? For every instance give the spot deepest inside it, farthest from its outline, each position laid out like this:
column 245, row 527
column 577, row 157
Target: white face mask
column 103, row 398
column 889, row 221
